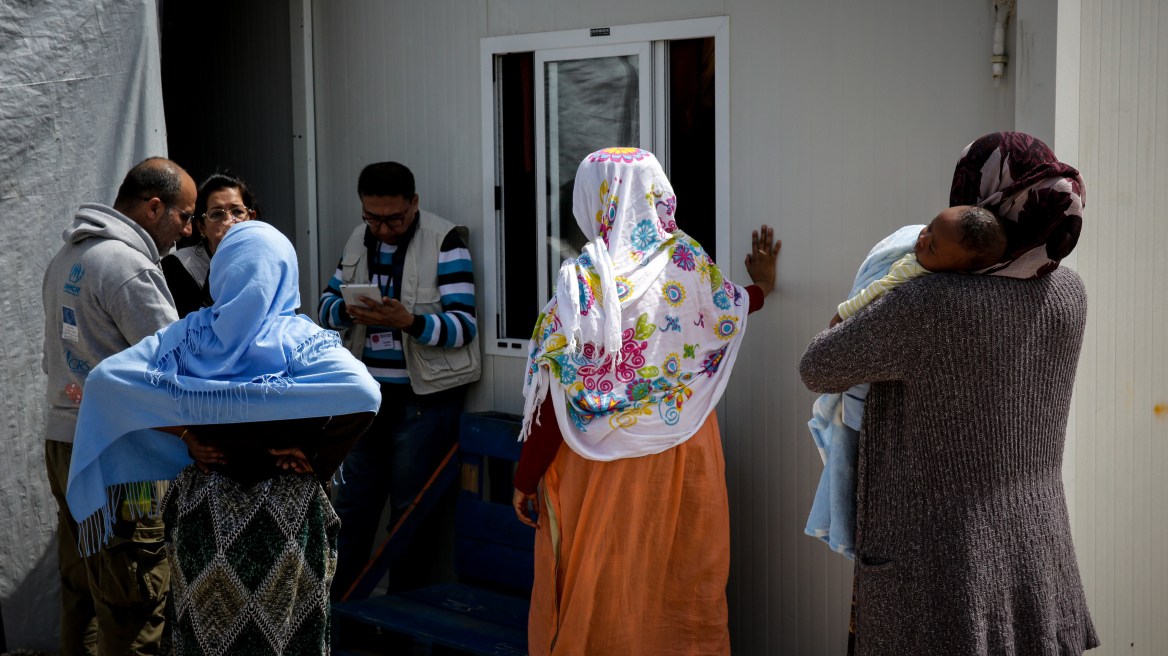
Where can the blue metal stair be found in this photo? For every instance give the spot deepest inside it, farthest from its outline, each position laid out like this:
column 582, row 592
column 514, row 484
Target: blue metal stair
column 491, row 547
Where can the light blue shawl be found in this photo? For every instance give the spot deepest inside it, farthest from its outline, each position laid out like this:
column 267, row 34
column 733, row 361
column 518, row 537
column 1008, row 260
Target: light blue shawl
column 836, row 418
column 247, row 358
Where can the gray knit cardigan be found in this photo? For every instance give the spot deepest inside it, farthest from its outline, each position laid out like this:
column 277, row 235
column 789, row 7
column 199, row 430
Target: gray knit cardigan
column 963, row 537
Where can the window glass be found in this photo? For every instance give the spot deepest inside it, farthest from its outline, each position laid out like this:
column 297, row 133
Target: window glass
column 518, row 296
column 691, row 138
column 591, row 104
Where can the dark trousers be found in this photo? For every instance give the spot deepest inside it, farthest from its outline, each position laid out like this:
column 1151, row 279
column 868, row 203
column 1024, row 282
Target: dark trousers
column 393, row 459
column 111, row 602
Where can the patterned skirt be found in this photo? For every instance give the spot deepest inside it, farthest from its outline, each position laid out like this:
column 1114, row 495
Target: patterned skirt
column 250, row 568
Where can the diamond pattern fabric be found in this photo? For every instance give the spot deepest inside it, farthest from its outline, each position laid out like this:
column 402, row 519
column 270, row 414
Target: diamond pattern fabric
column 251, row 567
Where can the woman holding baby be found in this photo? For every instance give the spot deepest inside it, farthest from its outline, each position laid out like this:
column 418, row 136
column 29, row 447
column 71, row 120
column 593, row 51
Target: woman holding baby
column 962, row 536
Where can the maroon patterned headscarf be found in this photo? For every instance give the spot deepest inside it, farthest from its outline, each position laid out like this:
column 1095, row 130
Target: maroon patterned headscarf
column 1040, row 199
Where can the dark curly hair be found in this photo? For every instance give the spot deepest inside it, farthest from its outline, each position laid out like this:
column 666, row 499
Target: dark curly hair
column 984, row 236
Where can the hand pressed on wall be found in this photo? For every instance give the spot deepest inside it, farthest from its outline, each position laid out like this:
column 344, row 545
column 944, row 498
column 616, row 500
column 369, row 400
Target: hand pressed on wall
column 760, row 262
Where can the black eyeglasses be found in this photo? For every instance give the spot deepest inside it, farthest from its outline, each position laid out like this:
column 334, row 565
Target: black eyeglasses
column 376, row 221
column 186, row 217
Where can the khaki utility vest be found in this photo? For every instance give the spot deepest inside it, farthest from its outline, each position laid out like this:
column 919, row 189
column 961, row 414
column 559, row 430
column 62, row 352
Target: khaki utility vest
column 432, row 368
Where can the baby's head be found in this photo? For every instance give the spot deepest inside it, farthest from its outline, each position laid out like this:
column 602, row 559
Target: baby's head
column 961, row 238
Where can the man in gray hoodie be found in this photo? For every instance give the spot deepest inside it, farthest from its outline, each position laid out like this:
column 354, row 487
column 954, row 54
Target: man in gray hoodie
column 102, row 293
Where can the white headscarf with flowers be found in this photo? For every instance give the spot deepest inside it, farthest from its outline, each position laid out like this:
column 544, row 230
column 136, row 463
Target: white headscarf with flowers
column 639, row 341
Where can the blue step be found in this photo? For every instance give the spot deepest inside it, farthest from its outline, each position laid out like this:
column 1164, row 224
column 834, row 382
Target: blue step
column 493, row 522
column 451, row 615
column 494, row 562
column 475, row 602
column 492, row 434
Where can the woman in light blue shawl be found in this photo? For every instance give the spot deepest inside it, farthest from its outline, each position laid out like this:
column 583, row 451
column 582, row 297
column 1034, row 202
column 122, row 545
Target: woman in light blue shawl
column 276, row 403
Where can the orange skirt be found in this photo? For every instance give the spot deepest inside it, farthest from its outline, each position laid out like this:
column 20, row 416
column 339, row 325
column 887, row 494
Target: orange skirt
column 632, row 556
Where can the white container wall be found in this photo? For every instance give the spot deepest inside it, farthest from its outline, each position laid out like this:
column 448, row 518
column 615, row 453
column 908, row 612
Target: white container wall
column 846, row 119
column 1121, row 408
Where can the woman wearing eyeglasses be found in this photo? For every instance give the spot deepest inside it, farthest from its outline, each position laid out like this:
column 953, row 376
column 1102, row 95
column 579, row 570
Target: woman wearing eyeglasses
column 223, row 201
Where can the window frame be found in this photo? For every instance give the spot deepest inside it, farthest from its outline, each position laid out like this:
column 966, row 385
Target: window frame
column 543, row 44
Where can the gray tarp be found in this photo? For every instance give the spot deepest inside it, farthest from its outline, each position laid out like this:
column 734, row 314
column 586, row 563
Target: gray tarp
column 80, row 102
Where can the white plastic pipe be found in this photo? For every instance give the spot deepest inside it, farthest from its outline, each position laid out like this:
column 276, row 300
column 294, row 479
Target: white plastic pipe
column 1003, row 9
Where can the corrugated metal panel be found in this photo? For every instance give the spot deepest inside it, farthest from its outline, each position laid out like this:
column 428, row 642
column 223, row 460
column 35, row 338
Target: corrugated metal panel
column 846, row 120
column 1122, row 393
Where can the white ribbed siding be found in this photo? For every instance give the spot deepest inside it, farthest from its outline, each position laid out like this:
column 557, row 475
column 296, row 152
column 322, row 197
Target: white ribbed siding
column 846, row 118
column 1121, row 407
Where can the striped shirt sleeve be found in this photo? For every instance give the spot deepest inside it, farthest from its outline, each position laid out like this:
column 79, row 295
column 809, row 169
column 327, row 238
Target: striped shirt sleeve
column 456, row 324
column 904, row 270
column 331, row 310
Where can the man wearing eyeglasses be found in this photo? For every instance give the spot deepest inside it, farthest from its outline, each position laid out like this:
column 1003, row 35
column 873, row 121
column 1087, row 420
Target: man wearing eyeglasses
column 416, row 336
column 103, row 292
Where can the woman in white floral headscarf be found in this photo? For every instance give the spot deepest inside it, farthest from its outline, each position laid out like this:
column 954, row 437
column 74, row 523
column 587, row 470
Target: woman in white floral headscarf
column 625, row 366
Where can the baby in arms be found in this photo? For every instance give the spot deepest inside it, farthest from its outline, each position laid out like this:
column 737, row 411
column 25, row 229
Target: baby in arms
column 962, row 238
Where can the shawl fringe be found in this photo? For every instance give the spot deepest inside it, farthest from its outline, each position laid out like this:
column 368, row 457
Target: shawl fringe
column 321, row 341
column 143, row 501
column 541, row 383
column 174, row 361
column 217, row 406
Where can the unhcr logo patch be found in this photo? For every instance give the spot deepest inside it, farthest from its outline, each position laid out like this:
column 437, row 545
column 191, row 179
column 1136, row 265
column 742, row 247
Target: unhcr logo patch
column 75, row 276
